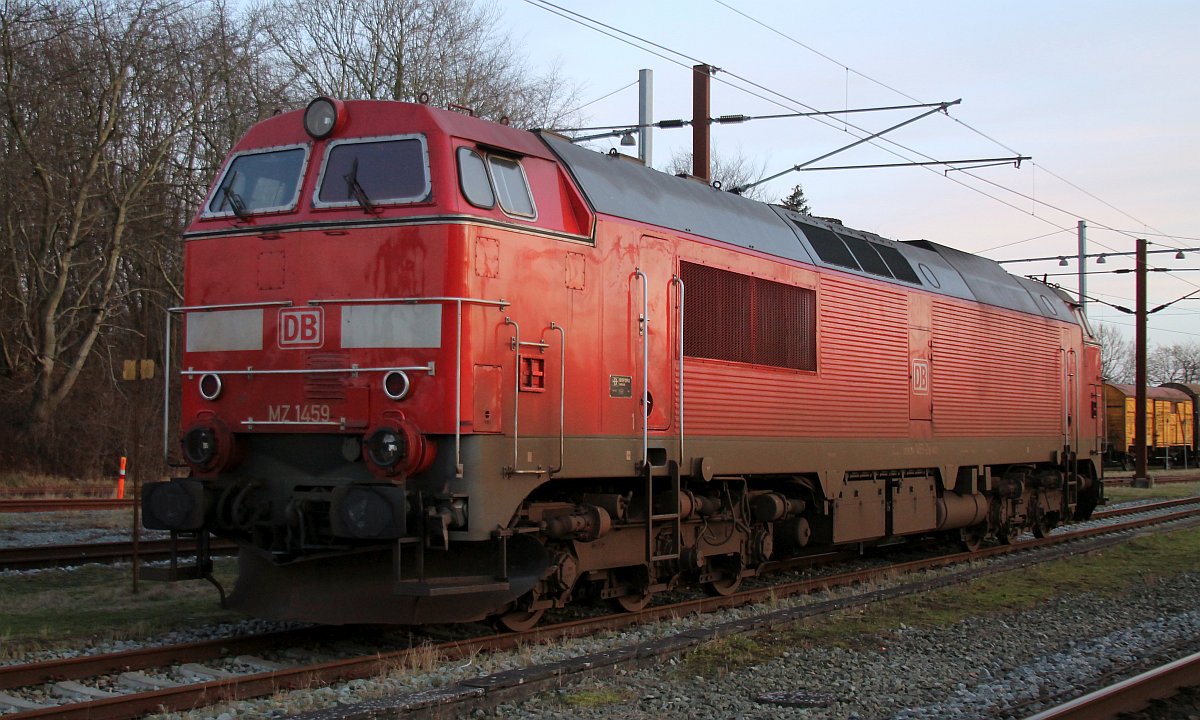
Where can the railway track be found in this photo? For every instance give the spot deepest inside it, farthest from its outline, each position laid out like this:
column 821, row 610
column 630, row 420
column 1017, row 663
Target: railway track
column 27, row 505
column 169, row 691
column 1129, row 696
column 44, row 556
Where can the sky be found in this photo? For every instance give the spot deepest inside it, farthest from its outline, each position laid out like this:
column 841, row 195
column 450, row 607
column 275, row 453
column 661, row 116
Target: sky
column 1103, row 96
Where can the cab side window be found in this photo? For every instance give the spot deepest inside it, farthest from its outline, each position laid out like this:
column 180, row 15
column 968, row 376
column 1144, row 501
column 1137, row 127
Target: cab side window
column 473, row 179
column 486, row 180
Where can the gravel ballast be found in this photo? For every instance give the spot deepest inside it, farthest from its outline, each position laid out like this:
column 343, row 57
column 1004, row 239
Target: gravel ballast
column 979, row 667
column 974, row 668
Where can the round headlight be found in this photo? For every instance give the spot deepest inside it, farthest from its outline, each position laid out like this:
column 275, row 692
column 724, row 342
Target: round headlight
column 386, row 448
column 199, row 447
column 396, row 384
column 321, row 117
column 210, row 386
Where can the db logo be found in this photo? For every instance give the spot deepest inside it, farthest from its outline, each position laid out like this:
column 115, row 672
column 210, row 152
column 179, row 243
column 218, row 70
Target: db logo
column 920, row 376
column 301, row 327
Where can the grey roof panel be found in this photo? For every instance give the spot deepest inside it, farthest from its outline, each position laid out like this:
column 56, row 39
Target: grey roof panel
column 1049, row 302
column 933, row 273
column 989, row 282
column 616, row 186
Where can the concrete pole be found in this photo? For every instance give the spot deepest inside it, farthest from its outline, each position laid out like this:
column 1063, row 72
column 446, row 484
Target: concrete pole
column 646, row 116
column 1082, row 261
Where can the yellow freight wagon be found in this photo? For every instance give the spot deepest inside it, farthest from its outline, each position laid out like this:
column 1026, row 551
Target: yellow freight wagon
column 1170, row 425
column 1193, row 391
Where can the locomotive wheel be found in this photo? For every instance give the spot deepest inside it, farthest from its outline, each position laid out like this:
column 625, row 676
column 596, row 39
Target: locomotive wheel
column 638, row 596
column 970, row 538
column 519, row 619
column 730, row 577
column 1044, row 525
column 633, row 602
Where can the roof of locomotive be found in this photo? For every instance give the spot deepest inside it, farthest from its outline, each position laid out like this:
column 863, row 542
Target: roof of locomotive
column 616, row 186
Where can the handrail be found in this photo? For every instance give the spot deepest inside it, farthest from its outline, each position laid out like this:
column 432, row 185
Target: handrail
column 678, row 281
column 516, row 345
column 230, row 306
column 644, row 333
column 1066, row 401
column 430, row 367
column 411, row 301
column 516, row 348
column 562, row 396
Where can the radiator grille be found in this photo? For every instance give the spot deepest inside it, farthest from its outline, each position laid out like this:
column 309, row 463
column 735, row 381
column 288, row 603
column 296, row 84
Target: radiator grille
column 739, row 318
column 326, row 386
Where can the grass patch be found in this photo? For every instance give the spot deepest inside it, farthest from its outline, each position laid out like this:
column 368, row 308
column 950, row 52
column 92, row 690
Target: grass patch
column 34, row 485
column 1172, row 490
column 594, row 697
column 1115, row 572
column 95, row 603
column 717, row 658
column 116, row 520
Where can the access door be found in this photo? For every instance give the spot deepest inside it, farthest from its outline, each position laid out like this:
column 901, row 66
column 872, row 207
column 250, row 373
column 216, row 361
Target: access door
column 920, row 358
column 656, row 261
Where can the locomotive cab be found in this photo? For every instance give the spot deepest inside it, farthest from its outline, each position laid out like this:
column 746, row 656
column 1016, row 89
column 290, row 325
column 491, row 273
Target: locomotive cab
column 339, row 332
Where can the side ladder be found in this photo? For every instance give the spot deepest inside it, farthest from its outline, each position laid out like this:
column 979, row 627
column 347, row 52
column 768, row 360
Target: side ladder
column 670, row 515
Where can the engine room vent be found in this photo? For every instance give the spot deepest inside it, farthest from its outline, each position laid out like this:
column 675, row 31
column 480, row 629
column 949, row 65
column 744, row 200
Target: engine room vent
column 325, row 386
column 739, row 318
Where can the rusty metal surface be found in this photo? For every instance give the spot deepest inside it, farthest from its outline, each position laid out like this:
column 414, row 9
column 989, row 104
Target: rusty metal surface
column 1130, row 695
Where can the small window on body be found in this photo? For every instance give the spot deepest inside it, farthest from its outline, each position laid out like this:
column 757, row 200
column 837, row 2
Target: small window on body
column 473, row 178
column 512, row 189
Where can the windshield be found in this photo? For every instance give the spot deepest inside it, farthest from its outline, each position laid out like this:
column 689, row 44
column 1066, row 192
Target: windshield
column 258, row 182
column 384, row 170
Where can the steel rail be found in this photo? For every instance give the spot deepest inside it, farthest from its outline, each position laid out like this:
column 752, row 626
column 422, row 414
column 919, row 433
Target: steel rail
column 56, row 504
column 266, row 683
column 42, row 556
column 1129, row 695
column 84, row 666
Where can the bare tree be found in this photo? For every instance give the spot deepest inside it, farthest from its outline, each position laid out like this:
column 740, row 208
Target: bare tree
column 1178, row 363
column 108, row 115
column 1116, row 354
column 729, row 170
column 452, row 51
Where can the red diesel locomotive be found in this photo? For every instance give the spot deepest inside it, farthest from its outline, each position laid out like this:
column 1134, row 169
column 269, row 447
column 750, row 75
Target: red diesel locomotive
column 438, row 369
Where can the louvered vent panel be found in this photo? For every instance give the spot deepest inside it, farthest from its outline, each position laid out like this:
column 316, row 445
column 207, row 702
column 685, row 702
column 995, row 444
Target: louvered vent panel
column 326, row 386
column 744, row 319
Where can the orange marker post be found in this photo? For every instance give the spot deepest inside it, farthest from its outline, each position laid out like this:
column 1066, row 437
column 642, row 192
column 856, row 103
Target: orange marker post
column 121, row 479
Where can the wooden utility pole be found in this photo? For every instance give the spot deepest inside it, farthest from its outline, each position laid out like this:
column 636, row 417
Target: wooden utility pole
column 1140, row 477
column 137, row 371
column 701, row 159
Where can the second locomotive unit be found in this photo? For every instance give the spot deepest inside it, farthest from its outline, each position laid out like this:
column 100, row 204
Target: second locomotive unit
column 436, row 369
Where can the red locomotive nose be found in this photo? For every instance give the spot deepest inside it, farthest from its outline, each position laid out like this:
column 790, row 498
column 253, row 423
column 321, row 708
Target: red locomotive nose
column 397, row 449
